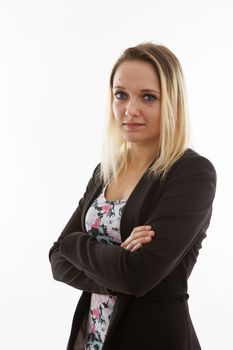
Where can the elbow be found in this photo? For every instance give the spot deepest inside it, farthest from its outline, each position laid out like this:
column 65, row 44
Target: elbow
column 54, row 248
column 55, row 271
column 57, row 263
column 63, row 270
column 56, row 266
column 52, row 259
column 137, row 279
column 136, row 288
column 135, row 291
column 136, row 284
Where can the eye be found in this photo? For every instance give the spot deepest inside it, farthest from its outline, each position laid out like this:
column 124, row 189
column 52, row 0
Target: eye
column 120, row 95
column 150, row 97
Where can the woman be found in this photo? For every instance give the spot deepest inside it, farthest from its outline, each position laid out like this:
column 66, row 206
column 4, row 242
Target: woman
column 132, row 242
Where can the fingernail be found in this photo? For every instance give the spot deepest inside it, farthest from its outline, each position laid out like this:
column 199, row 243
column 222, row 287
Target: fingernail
column 147, row 238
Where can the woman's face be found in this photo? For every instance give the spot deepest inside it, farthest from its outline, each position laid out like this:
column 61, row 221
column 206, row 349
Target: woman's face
column 136, row 102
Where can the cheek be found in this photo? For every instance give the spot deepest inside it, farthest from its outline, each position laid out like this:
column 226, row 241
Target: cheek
column 156, row 116
column 116, row 111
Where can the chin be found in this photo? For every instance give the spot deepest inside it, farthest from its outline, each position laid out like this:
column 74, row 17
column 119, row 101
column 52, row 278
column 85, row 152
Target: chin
column 132, row 139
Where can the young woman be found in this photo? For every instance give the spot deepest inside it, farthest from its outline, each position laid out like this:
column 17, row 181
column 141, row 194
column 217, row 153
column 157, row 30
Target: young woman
column 134, row 238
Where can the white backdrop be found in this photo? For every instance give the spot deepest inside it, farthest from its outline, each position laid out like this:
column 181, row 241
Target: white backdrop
column 55, row 60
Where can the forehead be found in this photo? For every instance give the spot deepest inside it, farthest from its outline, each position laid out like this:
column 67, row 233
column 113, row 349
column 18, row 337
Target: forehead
column 136, row 73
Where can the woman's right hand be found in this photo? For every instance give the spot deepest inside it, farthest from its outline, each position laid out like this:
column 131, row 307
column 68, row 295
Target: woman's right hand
column 139, row 236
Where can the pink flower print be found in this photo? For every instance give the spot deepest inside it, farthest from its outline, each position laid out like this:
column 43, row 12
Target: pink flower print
column 95, row 313
column 106, row 208
column 93, row 328
column 97, row 223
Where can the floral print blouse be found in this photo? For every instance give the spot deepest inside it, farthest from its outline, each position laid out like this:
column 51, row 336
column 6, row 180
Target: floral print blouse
column 102, row 222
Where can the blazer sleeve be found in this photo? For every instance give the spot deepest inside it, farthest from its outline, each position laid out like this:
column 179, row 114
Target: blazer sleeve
column 178, row 217
column 62, row 269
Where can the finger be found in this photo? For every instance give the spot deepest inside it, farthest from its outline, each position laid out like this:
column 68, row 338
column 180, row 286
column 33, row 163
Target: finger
column 141, row 228
column 137, row 246
column 141, row 240
column 137, row 235
column 132, row 239
column 140, row 234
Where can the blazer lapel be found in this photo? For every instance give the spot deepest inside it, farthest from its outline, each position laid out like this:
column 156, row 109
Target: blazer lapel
column 138, row 204
column 94, row 192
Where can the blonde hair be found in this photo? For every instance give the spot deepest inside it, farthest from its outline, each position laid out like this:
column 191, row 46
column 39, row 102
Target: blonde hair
column 173, row 140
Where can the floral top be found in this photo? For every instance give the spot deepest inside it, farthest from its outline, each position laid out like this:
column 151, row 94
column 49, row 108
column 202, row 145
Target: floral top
column 102, row 222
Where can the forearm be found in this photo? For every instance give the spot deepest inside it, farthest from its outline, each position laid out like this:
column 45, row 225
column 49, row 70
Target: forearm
column 116, row 268
column 64, row 271
column 179, row 218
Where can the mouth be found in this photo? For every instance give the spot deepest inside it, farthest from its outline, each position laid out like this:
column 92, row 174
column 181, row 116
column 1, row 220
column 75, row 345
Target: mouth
column 133, row 125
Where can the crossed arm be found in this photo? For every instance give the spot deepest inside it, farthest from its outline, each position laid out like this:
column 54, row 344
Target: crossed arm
column 178, row 218
column 65, row 271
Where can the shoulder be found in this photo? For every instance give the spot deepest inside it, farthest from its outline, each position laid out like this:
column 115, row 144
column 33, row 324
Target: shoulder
column 96, row 176
column 193, row 162
column 192, row 172
column 192, row 179
column 95, row 180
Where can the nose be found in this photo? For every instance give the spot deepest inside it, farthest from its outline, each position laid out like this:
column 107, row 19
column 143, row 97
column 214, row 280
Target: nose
column 132, row 108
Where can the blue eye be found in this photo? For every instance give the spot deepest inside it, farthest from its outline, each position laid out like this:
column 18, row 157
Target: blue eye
column 150, row 97
column 120, row 95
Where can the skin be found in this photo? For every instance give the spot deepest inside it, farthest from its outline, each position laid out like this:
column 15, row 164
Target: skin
column 131, row 105
column 136, row 107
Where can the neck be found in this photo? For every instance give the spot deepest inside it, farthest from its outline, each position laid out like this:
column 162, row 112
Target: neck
column 141, row 156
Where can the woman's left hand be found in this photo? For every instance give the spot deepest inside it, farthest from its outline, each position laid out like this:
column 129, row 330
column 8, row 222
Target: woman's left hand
column 139, row 236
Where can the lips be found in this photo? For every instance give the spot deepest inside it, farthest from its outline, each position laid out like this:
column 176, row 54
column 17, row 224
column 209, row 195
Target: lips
column 133, row 125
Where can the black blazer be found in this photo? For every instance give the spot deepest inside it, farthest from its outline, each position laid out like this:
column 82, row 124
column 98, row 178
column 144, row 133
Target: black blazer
column 151, row 310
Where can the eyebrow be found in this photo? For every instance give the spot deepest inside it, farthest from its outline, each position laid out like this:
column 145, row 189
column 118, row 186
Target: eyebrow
column 143, row 90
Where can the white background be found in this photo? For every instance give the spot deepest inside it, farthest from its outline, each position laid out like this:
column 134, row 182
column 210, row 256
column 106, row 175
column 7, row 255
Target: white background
column 55, row 60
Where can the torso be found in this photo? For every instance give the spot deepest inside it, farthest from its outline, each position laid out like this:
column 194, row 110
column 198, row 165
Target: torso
column 102, row 222
column 124, row 185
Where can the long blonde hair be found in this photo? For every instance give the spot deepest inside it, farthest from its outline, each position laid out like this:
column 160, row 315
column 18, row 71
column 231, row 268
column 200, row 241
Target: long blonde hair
column 173, row 140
